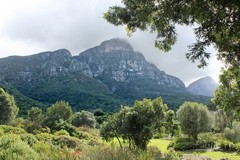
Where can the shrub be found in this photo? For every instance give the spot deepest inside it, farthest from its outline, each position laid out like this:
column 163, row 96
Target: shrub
column 63, row 125
column 234, row 133
column 108, row 153
column 11, row 147
column 226, row 145
column 61, row 132
column 183, row 144
column 50, row 152
column 30, row 139
column 45, row 137
column 11, row 130
column 66, row 141
column 206, row 140
column 172, row 155
column 84, row 118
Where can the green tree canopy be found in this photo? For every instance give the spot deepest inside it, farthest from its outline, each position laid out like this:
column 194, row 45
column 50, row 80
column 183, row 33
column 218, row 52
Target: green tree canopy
column 136, row 124
column 58, row 111
column 227, row 96
column 194, row 119
column 84, row 118
column 216, row 22
column 8, row 108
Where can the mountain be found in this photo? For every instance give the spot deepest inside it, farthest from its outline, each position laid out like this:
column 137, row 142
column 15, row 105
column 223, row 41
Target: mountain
column 205, row 86
column 104, row 77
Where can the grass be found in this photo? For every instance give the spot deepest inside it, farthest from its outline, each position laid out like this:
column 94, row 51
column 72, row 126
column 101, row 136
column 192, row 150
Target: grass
column 162, row 145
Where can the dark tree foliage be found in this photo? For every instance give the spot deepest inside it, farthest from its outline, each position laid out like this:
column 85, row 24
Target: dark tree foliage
column 136, row 124
column 57, row 112
column 84, row 118
column 194, row 118
column 216, row 22
column 8, row 108
column 227, row 96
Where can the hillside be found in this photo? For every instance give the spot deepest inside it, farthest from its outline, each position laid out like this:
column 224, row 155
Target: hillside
column 104, row 77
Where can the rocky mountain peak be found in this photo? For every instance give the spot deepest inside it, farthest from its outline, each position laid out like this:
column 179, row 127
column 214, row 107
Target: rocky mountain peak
column 116, row 44
column 61, row 53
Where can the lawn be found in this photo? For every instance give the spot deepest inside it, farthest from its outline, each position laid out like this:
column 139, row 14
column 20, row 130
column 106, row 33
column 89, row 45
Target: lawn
column 162, row 145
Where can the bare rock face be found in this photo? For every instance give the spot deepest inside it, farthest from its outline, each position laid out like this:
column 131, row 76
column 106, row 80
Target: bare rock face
column 115, row 60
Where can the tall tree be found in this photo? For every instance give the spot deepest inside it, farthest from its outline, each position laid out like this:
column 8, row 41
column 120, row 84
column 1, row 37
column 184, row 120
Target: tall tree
column 216, row 22
column 8, row 108
column 60, row 111
column 136, row 124
column 194, row 119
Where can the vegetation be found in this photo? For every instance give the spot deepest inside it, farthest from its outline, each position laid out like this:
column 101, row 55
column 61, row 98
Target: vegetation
column 194, row 119
column 84, row 118
column 136, row 124
column 51, row 135
column 8, row 108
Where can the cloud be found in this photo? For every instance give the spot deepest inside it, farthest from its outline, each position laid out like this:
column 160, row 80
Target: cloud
column 34, row 26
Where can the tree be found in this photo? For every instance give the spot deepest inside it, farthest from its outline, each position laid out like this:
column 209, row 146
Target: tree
column 35, row 118
column 58, row 111
column 216, row 22
column 194, row 119
column 84, row 118
column 136, row 124
column 220, row 121
column 227, row 96
column 35, row 114
column 170, row 123
column 8, row 108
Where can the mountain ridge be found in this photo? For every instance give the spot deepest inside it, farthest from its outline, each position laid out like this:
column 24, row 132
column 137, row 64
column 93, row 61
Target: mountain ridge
column 103, row 76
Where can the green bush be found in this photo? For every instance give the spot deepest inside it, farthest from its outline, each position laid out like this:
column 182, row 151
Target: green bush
column 50, row 152
column 171, row 155
column 234, row 133
column 61, row 132
column 228, row 146
column 206, row 140
column 30, row 139
column 108, row 153
column 66, row 141
column 12, row 130
column 45, row 137
column 63, row 125
column 13, row 148
column 183, row 144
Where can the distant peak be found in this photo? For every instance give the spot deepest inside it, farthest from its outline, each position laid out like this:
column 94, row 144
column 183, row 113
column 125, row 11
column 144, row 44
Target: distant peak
column 208, row 78
column 56, row 54
column 116, row 44
column 63, row 51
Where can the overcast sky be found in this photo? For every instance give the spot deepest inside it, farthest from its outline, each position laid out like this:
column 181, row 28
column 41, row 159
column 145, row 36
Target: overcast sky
column 33, row 26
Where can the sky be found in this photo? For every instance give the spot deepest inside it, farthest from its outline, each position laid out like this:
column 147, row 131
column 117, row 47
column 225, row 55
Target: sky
column 32, row 26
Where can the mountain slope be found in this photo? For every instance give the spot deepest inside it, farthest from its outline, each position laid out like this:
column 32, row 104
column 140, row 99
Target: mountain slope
column 104, row 77
column 46, row 78
column 205, row 86
column 126, row 72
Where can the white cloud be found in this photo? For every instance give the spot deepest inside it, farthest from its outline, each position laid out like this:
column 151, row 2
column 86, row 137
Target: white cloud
column 29, row 26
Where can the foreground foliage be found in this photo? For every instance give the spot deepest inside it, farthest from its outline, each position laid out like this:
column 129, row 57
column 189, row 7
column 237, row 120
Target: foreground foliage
column 136, row 124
